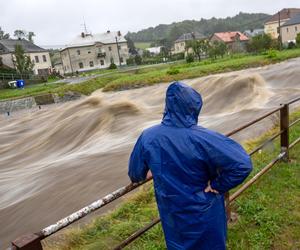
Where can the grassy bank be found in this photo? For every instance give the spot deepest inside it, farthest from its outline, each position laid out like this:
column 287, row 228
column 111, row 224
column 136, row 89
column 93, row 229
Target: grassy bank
column 163, row 73
column 268, row 212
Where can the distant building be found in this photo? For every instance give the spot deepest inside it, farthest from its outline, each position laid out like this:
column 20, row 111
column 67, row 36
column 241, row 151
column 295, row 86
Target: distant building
column 253, row 32
column 40, row 56
column 235, row 40
column 290, row 29
column 181, row 42
column 272, row 24
column 154, row 50
column 94, row 51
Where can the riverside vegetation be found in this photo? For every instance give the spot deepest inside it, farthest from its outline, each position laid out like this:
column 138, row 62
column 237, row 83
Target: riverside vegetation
column 118, row 80
column 268, row 212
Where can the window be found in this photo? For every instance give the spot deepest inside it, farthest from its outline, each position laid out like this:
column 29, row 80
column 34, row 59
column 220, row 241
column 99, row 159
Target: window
column 296, row 28
column 119, row 47
column 78, row 52
column 44, row 58
column 36, row 58
column 121, row 59
column 91, row 64
column 109, row 48
column 287, row 30
column 89, row 52
column 111, row 60
column 101, row 62
column 80, row 65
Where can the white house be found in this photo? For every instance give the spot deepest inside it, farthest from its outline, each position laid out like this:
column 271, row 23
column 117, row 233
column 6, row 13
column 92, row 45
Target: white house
column 94, row 51
column 40, row 56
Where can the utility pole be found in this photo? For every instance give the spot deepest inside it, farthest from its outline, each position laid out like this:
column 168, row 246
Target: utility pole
column 118, row 51
column 279, row 32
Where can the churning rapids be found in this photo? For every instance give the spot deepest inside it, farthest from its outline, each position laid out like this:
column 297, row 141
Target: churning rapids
column 61, row 158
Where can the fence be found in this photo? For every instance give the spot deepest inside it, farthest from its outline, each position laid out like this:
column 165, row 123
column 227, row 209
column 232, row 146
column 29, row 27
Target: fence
column 33, row 241
column 14, row 76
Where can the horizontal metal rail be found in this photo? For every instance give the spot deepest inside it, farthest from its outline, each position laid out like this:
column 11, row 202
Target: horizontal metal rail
column 137, row 234
column 252, row 122
column 293, row 144
column 256, row 177
column 252, row 152
column 90, row 208
column 293, row 101
column 294, row 122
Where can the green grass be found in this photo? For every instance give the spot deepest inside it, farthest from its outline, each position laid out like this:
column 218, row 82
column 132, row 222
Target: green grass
column 268, row 212
column 30, row 90
column 157, row 74
column 142, row 45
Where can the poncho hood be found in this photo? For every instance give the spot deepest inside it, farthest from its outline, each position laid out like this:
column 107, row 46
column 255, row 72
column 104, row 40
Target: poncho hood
column 183, row 105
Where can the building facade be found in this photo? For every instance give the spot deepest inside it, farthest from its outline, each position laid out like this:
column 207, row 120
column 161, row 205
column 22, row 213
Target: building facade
column 39, row 56
column 290, row 30
column 94, row 51
column 181, row 42
column 236, row 41
column 272, row 25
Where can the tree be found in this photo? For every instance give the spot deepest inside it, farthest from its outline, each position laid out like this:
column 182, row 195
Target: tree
column 20, row 34
column 30, row 36
column 217, row 48
column 131, row 46
column 298, row 40
column 199, row 47
column 22, row 61
column 260, row 43
column 138, row 60
column 3, row 35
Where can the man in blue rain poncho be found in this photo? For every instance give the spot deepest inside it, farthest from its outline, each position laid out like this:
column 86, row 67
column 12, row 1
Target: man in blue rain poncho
column 192, row 168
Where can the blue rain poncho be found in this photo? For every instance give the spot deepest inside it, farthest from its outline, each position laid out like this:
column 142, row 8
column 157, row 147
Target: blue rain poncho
column 183, row 158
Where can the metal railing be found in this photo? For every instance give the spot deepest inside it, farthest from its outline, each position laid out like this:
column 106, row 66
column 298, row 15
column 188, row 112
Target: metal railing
column 33, row 240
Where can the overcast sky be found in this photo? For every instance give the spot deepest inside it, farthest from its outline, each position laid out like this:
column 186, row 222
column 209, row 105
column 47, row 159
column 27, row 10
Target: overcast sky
column 56, row 22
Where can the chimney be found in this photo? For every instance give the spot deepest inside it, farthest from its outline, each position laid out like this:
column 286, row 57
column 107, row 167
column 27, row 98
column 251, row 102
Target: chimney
column 119, row 33
column 108, row 32
column 82, row 34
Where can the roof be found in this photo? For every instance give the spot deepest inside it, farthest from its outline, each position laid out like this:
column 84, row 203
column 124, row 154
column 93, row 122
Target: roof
column 91, row 39
column 294, row 20
column 284, row 14
column 228, row 37
column 8, row 46
column 155, row 50
column 251, row 33
column 190, row 36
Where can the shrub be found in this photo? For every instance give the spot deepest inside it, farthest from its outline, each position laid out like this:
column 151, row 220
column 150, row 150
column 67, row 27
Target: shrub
column 179, row 56
column 173, row 71
column 298, row 40
column 291, row 45
column 112, row 66
column 260, row 43
column 130, row 61
column 189, row 58
column 138, row 60
column 272, row 54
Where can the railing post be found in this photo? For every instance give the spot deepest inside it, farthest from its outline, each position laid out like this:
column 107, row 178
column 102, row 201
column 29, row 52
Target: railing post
column 227, row 206
column 284, row 126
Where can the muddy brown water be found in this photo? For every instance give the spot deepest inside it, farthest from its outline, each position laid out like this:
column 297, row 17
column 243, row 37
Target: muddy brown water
column 56, row 160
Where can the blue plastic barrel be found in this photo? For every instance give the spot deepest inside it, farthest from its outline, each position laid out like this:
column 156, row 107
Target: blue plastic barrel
column 20, row 84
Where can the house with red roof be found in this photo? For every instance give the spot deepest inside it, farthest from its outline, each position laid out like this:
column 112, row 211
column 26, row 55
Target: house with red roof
column 235, row 40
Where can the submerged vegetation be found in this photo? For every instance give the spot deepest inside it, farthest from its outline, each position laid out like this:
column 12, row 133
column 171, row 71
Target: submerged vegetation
column 268, row 212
